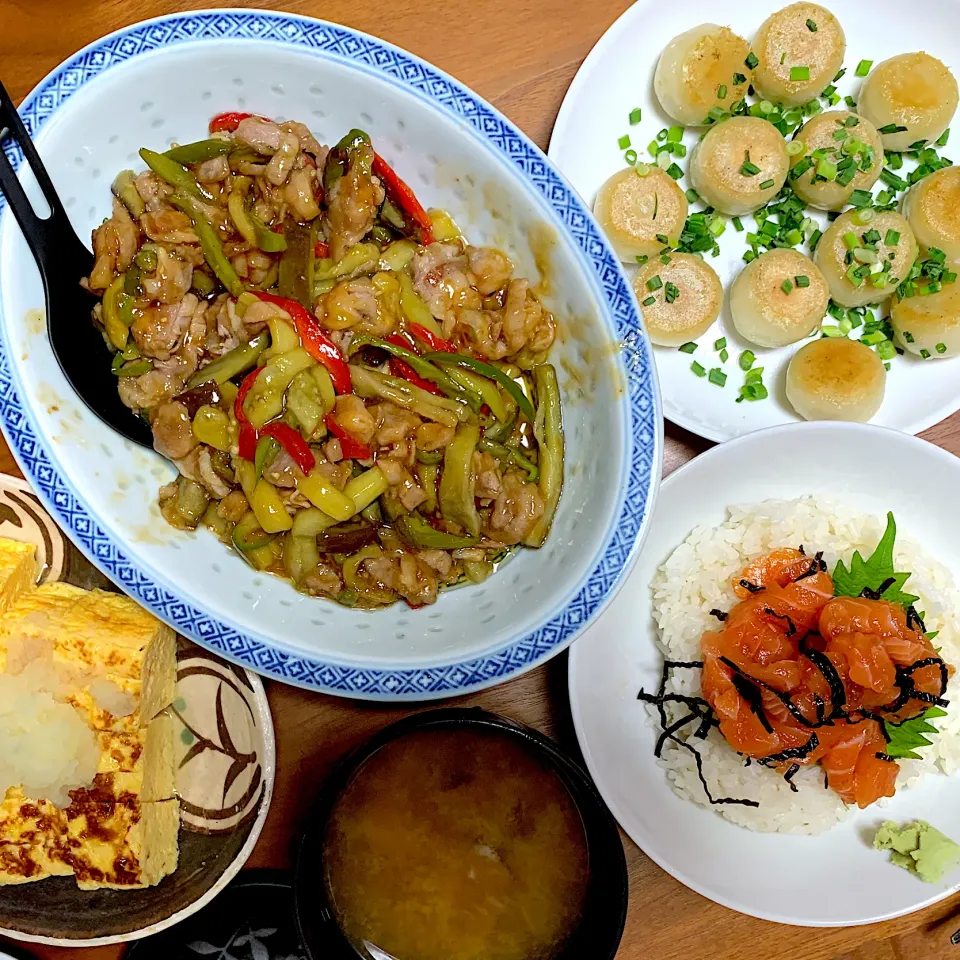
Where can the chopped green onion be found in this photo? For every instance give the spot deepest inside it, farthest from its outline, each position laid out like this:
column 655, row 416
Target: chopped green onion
column 892, row 238
column 863, row 67
column 747, row 359
column 670, row 292
column 886, row 350
column 864, row 215
column 862, row 255
column 688, row 347
column 698, row 369
column 717, row 376
column 891, row 128
column 948, row 276
column 748, row 168
column 675, row 134
column 649, row 302
column 786, row 286
column 815, row 238
column 724, row 356
column 853, row 275
column 766, row 184
column 793, row 237
column 751, row 60
column 941, row 348
column 753, row 391
column 850, row 240
column 721, row 92
column 850, row 102
column 653, row 148
column 925, row 354
column 624, row 142
column 662, row 134
column 631, row 157
column 663, row 160
column 796, row 148
column 642, row 169
column 799, row 73
column 692, row 196
column 674, row 171
column 635, row 115
column 642, row 258
column 663, row 238
column 828, row 330
column 811, row 26
column 941, row 141
column 739, row 78
column 851, row 121
column 826, row 169
column 845, row 326
column 737, row 224
column 720, row 344
column 802, row 281
column 654, row 283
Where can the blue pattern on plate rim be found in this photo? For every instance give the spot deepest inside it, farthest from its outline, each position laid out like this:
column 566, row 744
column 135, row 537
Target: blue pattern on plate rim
column 404, row 70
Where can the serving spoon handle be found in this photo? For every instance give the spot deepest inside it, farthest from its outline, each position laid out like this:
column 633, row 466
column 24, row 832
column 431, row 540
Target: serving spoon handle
column 63, row 261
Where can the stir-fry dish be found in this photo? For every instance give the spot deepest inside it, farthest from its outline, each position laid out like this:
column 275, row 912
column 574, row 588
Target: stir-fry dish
column 355, row 398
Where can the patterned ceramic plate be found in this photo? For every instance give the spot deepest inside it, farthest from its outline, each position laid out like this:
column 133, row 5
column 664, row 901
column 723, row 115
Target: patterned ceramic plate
column 225, row 769
column 161, row 81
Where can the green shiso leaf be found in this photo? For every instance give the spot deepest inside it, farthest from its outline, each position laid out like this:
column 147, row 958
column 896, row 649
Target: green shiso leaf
column 908, row 737
column 872, row 572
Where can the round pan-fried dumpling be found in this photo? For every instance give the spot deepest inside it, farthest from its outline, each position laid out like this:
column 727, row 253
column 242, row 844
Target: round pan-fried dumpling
column 836, row 379
column 679, row 299
column 864, row 263
column 932, row 208
column 696, row 67
column 860, row 147
column 779, row 298
column 739, row 165
column 799, row 50
column 929, row 325
column 912, row 90
column 634, row 210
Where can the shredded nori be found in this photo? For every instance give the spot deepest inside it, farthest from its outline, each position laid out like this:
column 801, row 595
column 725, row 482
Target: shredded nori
column 752, row 587
column 792, row 753
column 838, row 693
column 816, row 565
column 792, row 771
column 719, row 614
column 699, row 710
column 869, row 594
column 883, row 756
column 752, row 695
column 791, row 626
column 914, row 618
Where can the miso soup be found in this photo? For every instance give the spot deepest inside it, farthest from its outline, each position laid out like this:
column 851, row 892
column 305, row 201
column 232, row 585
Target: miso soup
column 456, row 845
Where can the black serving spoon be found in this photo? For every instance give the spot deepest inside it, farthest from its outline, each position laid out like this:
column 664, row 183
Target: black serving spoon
column 63, row 260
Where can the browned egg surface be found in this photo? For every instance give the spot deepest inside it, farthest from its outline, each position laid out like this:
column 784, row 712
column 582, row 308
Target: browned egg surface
column 457, row 845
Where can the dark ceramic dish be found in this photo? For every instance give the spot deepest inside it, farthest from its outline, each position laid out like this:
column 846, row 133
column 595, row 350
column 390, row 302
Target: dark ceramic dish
column 600, row 928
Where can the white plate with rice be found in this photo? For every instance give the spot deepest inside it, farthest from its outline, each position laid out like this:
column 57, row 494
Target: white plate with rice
column 828, row 486
column 617, row 77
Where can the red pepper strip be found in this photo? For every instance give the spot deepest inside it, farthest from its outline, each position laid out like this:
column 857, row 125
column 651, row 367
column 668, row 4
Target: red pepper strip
column 293, row 443
column 247, row 440
column 321, row 249
column 230, row 121
column 404, row 198
column 352, row 448
column 431, row 339
column 314, row 340
column 400, row 368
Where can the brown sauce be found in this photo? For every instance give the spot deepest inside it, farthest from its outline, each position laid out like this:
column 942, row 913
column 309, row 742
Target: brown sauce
column 457, row 845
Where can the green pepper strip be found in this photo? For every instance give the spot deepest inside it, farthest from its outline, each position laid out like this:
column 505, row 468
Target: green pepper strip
column 429, row 456
column 507, row 455
column 267, row 450
column 133, row 368
column 456, row 482
column 248, row 534
column 174, row 173
column 338, row 158
column 296, row 265
column 209, row 243
column 548, row 428
column 125, row 188
column 418, row 533
column 267, row 240
column 423, row 368
column 237, row 209
column 485, row 370
column 237, row 361
column 117, row 330
column 200, row 150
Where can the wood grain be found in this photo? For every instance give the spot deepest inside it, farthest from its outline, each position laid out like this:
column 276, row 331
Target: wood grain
column 521, row 55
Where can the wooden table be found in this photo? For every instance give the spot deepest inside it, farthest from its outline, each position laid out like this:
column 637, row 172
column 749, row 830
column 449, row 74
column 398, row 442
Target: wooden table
column 521, row 55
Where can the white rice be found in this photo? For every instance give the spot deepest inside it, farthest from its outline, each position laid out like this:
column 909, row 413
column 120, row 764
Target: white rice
column 696, row 578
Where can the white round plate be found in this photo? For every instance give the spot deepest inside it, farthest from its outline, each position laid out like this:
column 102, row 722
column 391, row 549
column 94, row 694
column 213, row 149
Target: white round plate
column 160, row 81
column 835, row 879
column 618, row 76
